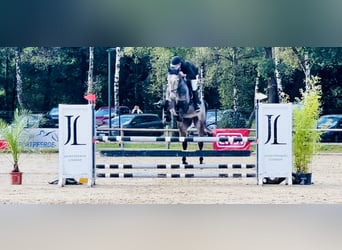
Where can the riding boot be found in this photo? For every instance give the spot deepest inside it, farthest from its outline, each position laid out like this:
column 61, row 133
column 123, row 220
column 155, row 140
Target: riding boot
column 167, row 116
column 197, row 101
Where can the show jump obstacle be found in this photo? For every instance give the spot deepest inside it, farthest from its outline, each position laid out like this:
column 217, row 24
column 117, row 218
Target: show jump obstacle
column 77, row 147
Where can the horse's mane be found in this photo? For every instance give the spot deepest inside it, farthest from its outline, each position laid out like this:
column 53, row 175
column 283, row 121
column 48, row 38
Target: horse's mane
column 179, row 93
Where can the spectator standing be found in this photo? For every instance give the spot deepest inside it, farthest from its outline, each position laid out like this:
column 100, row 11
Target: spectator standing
column 136, row 110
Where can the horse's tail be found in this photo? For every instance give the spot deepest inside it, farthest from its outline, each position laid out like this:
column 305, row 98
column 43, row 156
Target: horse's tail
column 203, row 111
column 202, row 117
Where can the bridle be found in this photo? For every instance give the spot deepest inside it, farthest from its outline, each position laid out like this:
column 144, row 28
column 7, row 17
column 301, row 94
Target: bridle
column 175, row 82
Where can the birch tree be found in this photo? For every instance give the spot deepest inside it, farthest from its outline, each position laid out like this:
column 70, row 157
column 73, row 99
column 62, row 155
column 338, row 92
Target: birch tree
column 117, row 78
column 19, row 86
column 91, row 71
column 305, row 65
column 277, row 72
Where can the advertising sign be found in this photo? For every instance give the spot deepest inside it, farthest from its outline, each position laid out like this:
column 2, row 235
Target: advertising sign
column 41, row 138
column 274, row 132
column 227, row 145
column 76, row 147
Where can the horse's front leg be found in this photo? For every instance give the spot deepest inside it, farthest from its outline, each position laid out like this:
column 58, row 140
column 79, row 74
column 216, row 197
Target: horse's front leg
column 168, row 107
column 185, row 146
column 200, row 146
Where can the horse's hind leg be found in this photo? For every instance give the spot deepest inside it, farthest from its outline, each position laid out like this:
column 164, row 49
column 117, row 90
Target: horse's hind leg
column 200, row 146
column 185, row 146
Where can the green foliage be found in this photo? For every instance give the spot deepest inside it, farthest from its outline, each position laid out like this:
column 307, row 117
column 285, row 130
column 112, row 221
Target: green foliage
column 157, row 60
column 266, row 67
column 228, row 69
column 53, row 75
column 330, row 148
column 232, row 120
column 12, row 133
column 305, row 138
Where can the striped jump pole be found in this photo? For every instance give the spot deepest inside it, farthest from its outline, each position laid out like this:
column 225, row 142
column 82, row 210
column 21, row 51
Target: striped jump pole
column 230, row 139
column 172, row 153
column 178, row 175
column 175, row 166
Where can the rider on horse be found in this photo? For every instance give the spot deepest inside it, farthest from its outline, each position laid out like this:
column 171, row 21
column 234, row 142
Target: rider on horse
column 189, row 72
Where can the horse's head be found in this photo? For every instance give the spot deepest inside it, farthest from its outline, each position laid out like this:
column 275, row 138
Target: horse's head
column 177, row 88
column 173, row 81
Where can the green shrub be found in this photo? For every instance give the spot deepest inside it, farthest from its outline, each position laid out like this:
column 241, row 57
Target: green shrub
column 12, row 133
column 305, row 137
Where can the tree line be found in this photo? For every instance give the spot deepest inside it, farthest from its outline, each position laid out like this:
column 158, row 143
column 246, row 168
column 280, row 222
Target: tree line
column 39, row 78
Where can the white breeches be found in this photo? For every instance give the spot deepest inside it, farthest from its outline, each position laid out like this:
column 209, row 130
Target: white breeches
column 194, row 84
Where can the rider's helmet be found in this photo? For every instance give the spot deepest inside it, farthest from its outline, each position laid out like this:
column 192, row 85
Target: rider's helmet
column 176, row 61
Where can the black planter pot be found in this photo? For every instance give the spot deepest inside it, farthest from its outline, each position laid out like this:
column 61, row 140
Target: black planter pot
column 302, row 178
column 277, row 180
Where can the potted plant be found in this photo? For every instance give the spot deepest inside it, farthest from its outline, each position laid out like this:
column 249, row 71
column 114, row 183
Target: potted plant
column 305, row 137
column 12, row 134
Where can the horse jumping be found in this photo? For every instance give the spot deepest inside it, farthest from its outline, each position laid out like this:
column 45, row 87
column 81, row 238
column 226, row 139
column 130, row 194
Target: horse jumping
column 179, row 105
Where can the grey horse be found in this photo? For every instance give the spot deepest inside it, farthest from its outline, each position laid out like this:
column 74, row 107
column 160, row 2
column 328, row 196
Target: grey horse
column 180, row 106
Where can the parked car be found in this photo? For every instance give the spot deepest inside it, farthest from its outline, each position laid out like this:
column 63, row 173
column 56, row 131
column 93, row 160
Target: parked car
column 333, row 121
column 54, row 114
column 102, row 114
column 213, row 117
column 139, row 121
column 40, row 121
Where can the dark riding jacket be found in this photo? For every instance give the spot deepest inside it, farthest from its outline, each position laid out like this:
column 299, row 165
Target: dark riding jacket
column 187, row 68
